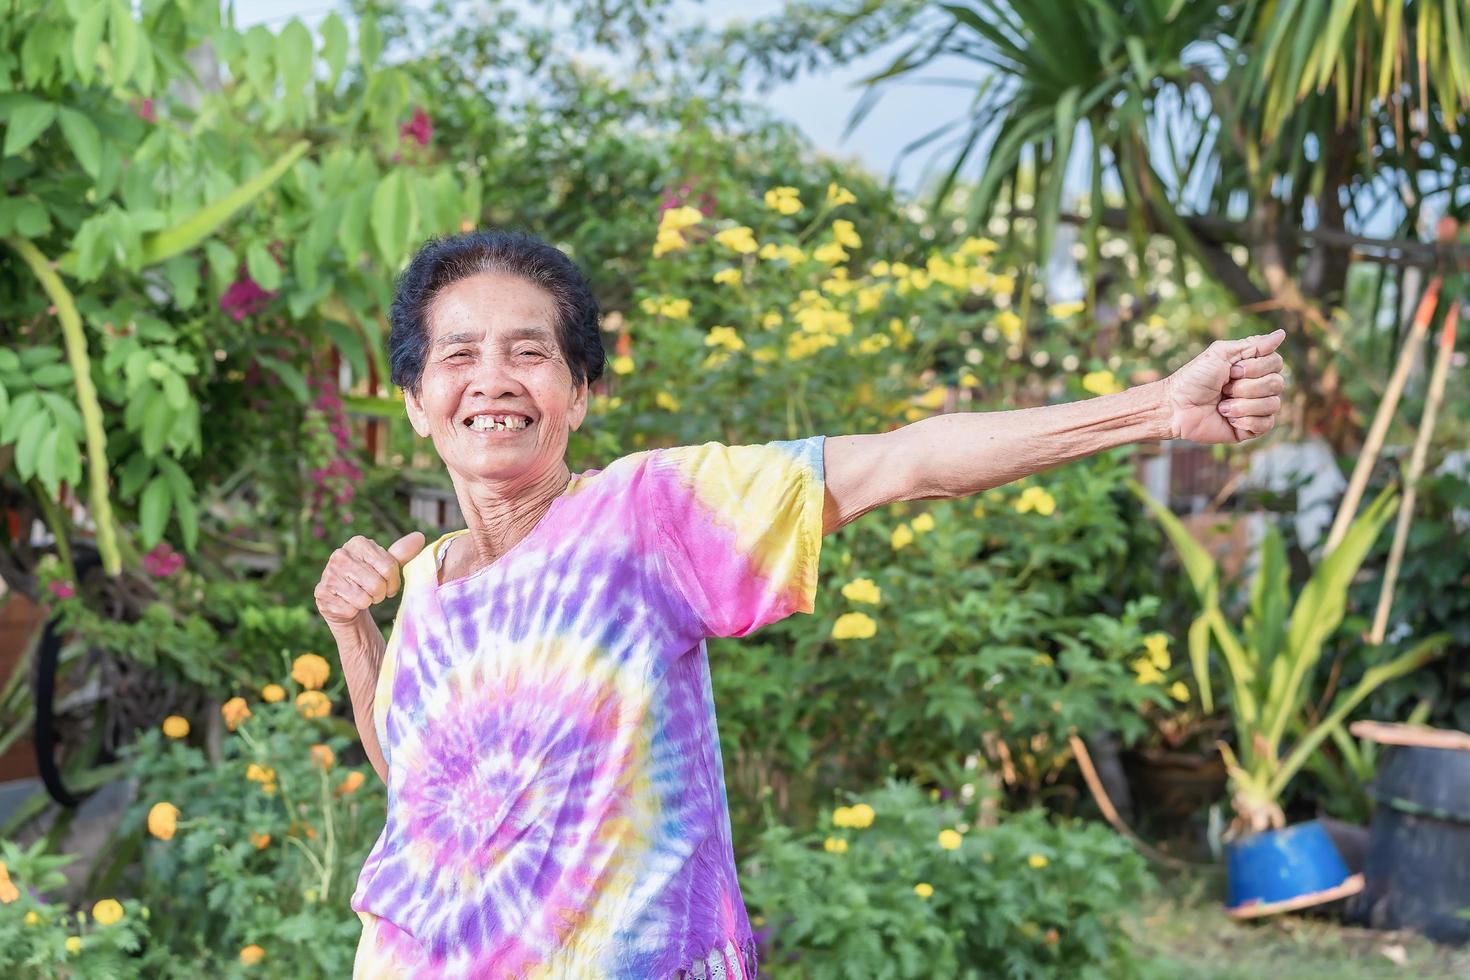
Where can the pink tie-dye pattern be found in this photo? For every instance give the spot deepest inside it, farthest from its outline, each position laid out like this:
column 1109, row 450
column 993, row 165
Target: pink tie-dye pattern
column 556, row 799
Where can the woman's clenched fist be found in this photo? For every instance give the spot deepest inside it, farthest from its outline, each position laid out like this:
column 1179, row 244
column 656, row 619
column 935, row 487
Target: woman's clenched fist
column 361, row 574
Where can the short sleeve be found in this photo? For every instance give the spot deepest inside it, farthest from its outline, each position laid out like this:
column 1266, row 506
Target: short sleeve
column 740, row 529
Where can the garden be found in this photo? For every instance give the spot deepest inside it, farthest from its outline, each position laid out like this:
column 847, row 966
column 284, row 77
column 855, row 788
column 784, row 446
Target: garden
column 1168, row 711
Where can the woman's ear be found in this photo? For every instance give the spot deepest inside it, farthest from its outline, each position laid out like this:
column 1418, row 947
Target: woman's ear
column 413, row 403
column 578, row 410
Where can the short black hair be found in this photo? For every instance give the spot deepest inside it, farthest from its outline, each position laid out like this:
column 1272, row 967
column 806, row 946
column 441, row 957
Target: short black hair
column 441, row 262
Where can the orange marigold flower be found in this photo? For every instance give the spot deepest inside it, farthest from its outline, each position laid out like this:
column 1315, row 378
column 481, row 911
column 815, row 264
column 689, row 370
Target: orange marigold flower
column 175, row 726
column 260, row 840
column 313, row 704
column 234, row 711
column 322, row 756
column 162, row 820
column 251, row 955
column 272, row 693
column 311, row 671
column 350, row 784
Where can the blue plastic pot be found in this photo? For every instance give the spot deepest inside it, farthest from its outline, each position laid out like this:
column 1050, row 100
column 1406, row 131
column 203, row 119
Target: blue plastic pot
column 1280, row 870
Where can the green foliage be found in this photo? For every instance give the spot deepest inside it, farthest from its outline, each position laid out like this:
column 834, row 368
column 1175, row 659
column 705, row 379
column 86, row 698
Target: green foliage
column 42, row 939
column 1269, row 662
column 218, row 886
column 1027, row 897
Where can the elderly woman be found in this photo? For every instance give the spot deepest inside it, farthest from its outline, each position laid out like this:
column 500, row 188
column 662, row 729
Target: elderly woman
column 542, row 713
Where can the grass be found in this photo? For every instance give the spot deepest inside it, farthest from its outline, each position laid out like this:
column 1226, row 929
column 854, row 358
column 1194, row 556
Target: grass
column 1185, row 933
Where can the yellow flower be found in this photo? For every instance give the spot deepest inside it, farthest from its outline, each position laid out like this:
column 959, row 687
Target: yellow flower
column 162, row 820
column 1037, row 861
column 674, row 309
column 765, row 355
column 1147, row 672
column 257, row 773
column 838, row 196
column 1179, row 691
column 791, row 254
column 854, row 626
column 862, row 590
column 322, row 756
column 977, row 246
column 1009, row 325
column 1101, row 383
column 677, row 219
column 260, row 840
column 1036, row 499
column 31, row 917
column 667, row 241
column 175, row 726
column 933, row 398
column 922, row 523
column 73, row 944
column 872, row 344
column 879, row 268
column 830, row 253
column 842, row 816
column 1157, row 645
column 950, row 839
column 870, row 297
column 862, row 815
column 313, row 704
column 107, row 911
column 272, row 693
column 924, row 890
column 234, row 712
column 968, row 380
column 899, row 269
column 772, row 320
column 902, row 537
column 835, row 845
column 251, row 955
column 666, row 401
column 622, row 364
column 725, row 337
column 738, row 239
column 1003, row 285
column 727, row 277
column 1063, row 310
column 8, row 891
column 311, row 671
column 845, row 234
column 783, row 199
column 350, row 784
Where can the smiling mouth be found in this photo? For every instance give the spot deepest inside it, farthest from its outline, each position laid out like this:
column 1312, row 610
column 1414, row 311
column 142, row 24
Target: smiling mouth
column 509, row 422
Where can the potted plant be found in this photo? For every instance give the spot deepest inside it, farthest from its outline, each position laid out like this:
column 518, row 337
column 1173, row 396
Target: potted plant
column 1269, row 662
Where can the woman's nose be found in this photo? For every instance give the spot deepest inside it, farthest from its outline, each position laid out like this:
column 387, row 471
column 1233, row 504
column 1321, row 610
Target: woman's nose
column 494, row 377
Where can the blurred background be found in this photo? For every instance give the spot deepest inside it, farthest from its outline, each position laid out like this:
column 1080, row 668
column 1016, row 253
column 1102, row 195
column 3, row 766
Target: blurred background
column 1108, row 721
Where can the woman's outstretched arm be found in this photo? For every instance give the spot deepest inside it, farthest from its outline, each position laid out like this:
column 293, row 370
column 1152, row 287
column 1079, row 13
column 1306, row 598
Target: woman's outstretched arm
column 1231, row 392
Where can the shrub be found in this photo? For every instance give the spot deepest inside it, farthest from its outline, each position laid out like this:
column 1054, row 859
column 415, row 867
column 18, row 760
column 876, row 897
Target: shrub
column 902, row 886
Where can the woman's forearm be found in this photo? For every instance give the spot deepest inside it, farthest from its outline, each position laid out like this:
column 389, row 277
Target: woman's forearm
column 361, row 655
column 963, row 453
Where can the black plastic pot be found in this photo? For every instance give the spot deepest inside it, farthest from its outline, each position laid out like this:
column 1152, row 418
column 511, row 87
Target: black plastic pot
column 1417, row 868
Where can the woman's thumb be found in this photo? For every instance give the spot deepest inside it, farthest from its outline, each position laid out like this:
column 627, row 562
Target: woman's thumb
column 407, row 546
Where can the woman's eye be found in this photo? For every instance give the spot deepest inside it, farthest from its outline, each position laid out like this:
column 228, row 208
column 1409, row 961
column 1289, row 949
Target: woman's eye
column 530, row 353
column 461, row 353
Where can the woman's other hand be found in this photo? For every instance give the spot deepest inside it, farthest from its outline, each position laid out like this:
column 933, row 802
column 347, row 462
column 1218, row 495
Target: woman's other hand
column 1230, row 392
column 361, row 574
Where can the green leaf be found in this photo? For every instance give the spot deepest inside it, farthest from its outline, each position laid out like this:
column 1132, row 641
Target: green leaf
column 87, row 39
column 124, row 42
column 294, row 55
column 204, row 222
column 222, row 264
column 28, row 120
column 153, row 510
column 183, row 276
column 262, row 267
column 28, row 446
column 289, row 376
column 350, row 344
column 21, row 410
column 86, row 142
column 392, row 217
column 334, row 46
column 369, row 42
column 47, row 460
column 30, row 217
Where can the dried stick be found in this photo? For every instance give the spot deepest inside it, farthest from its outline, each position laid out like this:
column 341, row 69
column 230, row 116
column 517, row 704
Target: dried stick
column 1416, row 469
column 1383, row 417
column 1110, row 813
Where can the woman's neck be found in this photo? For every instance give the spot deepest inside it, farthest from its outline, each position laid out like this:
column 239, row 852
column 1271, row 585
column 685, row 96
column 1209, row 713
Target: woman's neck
column 498, row 519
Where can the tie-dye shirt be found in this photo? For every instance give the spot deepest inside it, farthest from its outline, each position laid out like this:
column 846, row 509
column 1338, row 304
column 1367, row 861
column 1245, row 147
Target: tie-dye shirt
column 556, row 794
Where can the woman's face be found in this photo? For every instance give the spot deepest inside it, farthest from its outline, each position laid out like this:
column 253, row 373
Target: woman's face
column 493, row 354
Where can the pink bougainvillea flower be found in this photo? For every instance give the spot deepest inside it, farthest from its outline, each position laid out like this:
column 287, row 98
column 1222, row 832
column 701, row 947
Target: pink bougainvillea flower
column 244, row 298
column 420, row 129
column 144, row 109
column 61, row 589
column 162, row 561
